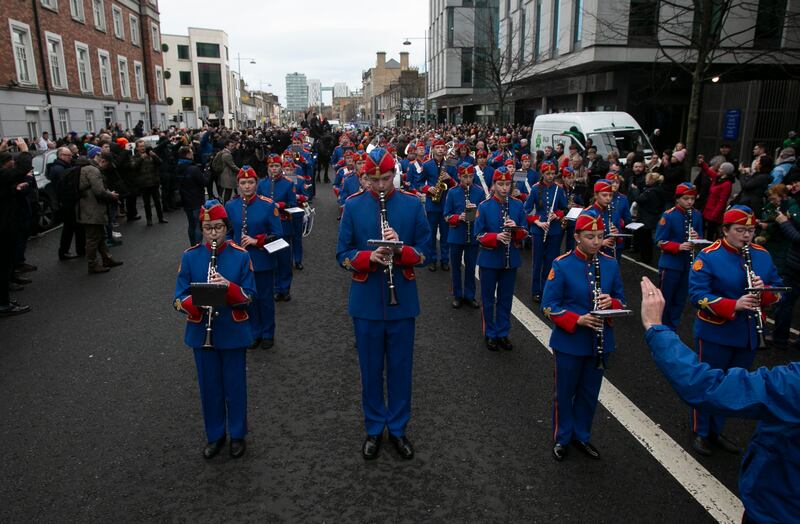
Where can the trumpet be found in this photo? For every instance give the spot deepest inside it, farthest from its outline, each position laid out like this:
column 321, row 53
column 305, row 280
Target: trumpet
column 212, row 270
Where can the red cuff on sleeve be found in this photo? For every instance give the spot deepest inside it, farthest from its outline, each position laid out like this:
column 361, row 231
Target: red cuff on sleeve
column 568, row 321
column 336, row 191
column 768, row 298
column 426, row 188
column 519, row 234
column 531, row 219
column 559, row 213
column 452, row 220
column 616, row 304
column 261, row 240
column 235, row 295
column 301, row 198
column 407, row 257
column 450, row 182
column 191, row 310
column 724, row 308
column 362, row 263
column 670, row 247
column 488, row 240
column 281, row 205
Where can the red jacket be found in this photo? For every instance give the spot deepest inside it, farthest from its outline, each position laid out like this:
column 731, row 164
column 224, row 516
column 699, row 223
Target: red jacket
column 718, row 195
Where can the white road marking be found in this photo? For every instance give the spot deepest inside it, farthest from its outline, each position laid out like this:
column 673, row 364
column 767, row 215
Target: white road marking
column 706, row 489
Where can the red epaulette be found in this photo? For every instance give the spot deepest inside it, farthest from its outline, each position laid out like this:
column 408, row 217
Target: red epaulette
column 713, row 247
column 564, row 255
column 606, row 255
column 266, row 199
column 234, row 245
column 193, row 247
column 358, row 193
column 757, row 246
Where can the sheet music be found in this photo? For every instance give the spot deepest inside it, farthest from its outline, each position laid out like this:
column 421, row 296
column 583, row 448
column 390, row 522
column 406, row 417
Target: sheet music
column 574, row 213
column 276, row 245
column 633, row 226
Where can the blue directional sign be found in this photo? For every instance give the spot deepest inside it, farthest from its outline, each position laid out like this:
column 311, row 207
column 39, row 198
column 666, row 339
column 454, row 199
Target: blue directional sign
column 730, row 129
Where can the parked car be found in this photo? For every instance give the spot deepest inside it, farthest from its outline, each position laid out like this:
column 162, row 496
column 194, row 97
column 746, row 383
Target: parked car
column 47, row 197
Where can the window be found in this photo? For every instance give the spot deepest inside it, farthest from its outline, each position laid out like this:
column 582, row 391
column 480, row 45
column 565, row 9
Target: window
column 207, row 50
column 769, row 23
column 521, row 30
column 99, row 14
column 186, row 78
column 466, row 67
column 84, row 67
column 450, row 27
column 50, row 4
column 108, row 116
column 63, row 122
column 76, row 10
column 556, row 22
column 643, row 26
column 105, row 72
column 138, row 79
column 163, row 118
column 187, row 103
column 89, row 117
column 134, row 23
column 116, row 16
column 128, row 120
column 209, row 78
column 718, row 11
column 156, row 38
column 577, row 31
column 537, row 38
column 55, row 58
column 23, row 53
column 183, row 52
column 32, row 123
column 124, row 79
column 159, row 83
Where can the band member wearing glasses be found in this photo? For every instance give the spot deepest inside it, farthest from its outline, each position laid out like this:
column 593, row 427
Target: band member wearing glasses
column 384, row 332
column 281, row 191
column 221, row 368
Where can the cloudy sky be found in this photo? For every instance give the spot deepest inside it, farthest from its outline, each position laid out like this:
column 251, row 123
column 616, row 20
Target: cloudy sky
column 325, row 39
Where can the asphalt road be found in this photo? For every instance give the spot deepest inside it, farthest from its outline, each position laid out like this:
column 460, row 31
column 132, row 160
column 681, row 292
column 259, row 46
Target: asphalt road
column 101, row 415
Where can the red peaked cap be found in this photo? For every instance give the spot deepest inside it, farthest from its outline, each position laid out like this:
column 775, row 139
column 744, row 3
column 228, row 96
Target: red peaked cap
column 437, row 142
column 603, row 186
column 510, row 162
column 246, row 172
column 589, row 221
column 274, row 159
column 739, row 215
column 378, row 162
column 482, row 154
column 212, row 210
column 466, row 167
column 523, row 158
column 686, row 188
column 547, row 167
column 613, row 177
column 501, row 174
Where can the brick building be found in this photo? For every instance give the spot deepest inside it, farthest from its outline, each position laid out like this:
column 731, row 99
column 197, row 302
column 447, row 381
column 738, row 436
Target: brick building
column 80, row 65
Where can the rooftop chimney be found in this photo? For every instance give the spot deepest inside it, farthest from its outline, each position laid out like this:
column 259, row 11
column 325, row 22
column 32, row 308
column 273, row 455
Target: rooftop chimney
column 404, row 61
column 381, row 60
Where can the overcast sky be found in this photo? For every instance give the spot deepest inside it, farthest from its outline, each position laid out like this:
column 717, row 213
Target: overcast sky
column 325, row 39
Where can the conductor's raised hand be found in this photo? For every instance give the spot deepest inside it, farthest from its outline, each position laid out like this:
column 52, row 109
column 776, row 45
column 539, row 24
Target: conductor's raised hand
column 652, row 304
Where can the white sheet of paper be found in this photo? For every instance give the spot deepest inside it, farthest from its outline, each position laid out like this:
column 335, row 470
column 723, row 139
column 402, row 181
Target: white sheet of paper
column 633, row 226
column 276, row 245
column 294, row 210
column 701, row 242
column 574, row 213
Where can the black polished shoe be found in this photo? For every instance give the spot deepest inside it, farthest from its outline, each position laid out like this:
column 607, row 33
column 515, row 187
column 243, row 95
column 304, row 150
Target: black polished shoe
column 491, row 344
column 25, row 268
column 721, row 441
column 701, row 445
column 537, row 298
column 456, row 303
column 13, row 309
column 212, row 448
column 149, row 222
column 112, row 263
column 255, row 344
column 403, row 446
column 505, row 343
column 587, row 448
column 432, row 266
column 163, row 221
column 445, row 266
column 15, row 287
column 298, row 266
column 472, row 303
column 278, row 297
column 67, row 256
column 19, row 279
column 559, row 452
column 133, row 219
column 371, row 447
column 267, row 343
column 237, row 447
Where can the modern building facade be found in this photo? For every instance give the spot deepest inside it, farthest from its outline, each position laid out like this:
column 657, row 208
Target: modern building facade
column 340, row 90
column 199, row 80
column 80, row 65
column 314, row 93
column 296, row 92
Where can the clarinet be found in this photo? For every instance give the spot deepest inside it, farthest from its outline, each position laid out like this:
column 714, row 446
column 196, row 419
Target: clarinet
column 689, row 235
column 748, row 268
column 212, row 269
column 244, row 217
column 390, row 268
column 598, row 334
column 503, row 220
column 610, row 210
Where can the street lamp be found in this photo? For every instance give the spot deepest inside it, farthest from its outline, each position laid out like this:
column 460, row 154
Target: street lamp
column 239, row 59
column 407, row 41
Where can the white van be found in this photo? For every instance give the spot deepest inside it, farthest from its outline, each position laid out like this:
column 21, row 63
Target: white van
column 609, row 131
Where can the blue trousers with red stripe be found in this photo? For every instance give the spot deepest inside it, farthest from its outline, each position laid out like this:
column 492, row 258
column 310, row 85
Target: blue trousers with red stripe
column 577, row 386
column 437, row 222
column 283, row 273
column 497, row 295
column 674, row 286
column 262, row 309
column 469, row 253
column 297, row 238
column 543, row 255
column 385, row 344
column 723, row 357
column 221, row 374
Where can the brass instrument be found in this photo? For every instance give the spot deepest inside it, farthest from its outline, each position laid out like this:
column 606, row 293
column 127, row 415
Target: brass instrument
column 748, row 268
column 212, row 270
column 436, row 193
column 390, row 268
column 599, row 351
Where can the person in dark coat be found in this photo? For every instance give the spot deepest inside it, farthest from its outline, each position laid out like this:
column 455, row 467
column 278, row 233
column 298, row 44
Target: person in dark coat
column 12, row 181
column 650, row 205
column 755, row 184
column 66, row 206
column 192, row 182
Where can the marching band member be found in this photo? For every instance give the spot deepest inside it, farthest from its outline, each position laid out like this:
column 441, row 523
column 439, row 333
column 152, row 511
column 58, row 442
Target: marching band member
column 461, row 234
column 678, row 226
column 281, row 191
column 726, row 329
column 499, row 232
column 341, row 149
column 612, row 220
column 502, row 154
column 302, row 191
column 620, row 202
column 544, row 209
column 574, row 199
column 483, row 173
column 221, row 369
column 523, row 187
column 427, row 183
column 580, row 341
column 463, row 154
column 384, row 332
column 352, row 181
column 255, row 221
column 342, row 171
